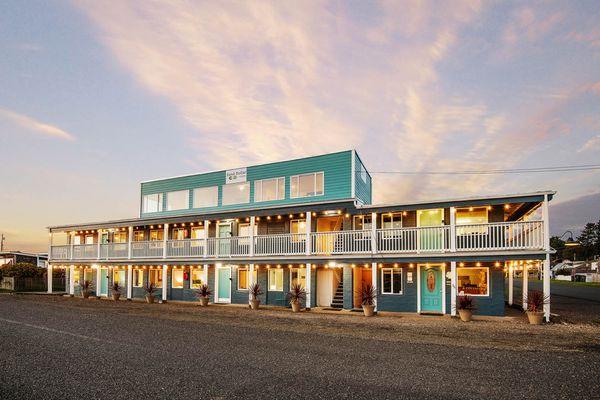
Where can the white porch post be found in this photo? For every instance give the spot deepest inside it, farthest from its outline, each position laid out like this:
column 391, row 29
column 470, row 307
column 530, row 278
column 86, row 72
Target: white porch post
column 452, row 229
column 206, row 226
column 525, row 286
column 98, row 280
column 99, row 242
column 72, row 243
column 50, row 246
column 251, row 272
column 71, row 280
column 308, row 285
column 546, row 278
column 374, row 233
column 164, row 283
column 374, row 282
column 129, row 240
column 511, row 277
column 453, row 288
column 206, row 274
column 308, row 229
column 49, row 272
column 165, row 238
column 251, row 250
column 129, row 279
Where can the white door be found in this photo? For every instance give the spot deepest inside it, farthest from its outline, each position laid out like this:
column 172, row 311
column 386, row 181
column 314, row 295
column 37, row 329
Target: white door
column 324, row 287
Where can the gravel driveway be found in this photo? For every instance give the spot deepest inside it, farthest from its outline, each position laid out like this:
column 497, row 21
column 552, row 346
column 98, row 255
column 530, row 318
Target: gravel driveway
column 54, row 347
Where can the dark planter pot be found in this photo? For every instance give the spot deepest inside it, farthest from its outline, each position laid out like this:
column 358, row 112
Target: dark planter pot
column 85, row 294
column 254, row 304
column 150, row 298
column 535, row 317
column 296, row 306
column 204, row 301
column 465, row 315
column 116, row 296
column 368, row 310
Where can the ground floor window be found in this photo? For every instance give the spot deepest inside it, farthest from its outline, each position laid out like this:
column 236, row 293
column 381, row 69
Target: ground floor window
column 244, row 278
column 119, row 277
column 197, row 277
column 473, row 281
column 88, row 275
column 391, row 281
column 177, row 279
column 276, row 280
column 76, row 276
column 138, row 277
column 155, row 277
column 298, row 277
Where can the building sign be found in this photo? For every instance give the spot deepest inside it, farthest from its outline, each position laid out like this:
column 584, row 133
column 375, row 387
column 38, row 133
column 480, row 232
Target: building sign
column 235, row 175
column 409, row 277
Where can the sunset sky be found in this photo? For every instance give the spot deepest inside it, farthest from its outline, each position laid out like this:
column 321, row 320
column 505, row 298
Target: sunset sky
column 97, row 96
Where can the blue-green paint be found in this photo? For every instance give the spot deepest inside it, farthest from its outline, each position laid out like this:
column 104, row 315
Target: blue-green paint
column 103, row 281
column 362, row 181
column 224, row 279
column 431, row 289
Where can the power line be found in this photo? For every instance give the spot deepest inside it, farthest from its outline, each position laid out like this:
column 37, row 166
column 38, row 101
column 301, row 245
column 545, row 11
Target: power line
column 564, row 168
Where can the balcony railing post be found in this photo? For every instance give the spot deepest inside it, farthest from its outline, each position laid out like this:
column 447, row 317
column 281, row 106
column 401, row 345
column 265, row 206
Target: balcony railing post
column 72, row 245
column 99, row 241
column 308, row 232
column 453, row 229
column 251, row 250
column 206, row 225
column 165, row 238
column 50, row 245
column 129, row 240
column 374, row 233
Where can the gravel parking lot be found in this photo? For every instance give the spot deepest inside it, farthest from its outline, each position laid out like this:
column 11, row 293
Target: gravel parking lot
column 54, row 347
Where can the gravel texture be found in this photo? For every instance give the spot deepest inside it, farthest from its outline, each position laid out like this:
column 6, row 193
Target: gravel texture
column 70, row 348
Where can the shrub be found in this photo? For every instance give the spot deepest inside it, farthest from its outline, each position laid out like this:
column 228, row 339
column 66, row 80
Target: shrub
column 86, row 285
column 536, row 300
column 368, row 295
column 465, row 302
column 204, row 291
column 150, row 289
column 22, row 270
column 116, row 288
column 296, row 294
column 255, row 290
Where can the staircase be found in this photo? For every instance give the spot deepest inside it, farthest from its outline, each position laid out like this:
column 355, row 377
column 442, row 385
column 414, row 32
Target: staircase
column 338, row 297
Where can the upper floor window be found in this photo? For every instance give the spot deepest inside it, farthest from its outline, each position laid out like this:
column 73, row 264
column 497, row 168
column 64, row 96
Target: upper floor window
column 206, row 197
column 391, row 220
column 153, row 203
column 469, row 217
column 269, row 189
column 362, row 222
column 236, row 193
column 307, row 185
column 138, row 236
column 179, row 200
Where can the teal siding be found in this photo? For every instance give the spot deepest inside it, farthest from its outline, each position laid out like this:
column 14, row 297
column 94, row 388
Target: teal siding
column 337, row 168
column 362, row 181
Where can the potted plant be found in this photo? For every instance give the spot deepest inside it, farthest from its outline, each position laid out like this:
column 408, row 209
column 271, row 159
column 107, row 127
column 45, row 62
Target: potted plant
column 150, row 289
column 535, row 306
column 295, row 296
column 255, row 291
column 465, row 305
column 86, row 289
column 369, row 296
column 116, row 291
column 204, row 293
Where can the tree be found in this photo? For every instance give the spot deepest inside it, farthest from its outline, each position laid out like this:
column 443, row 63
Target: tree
column 21, row 270
column 589, row 240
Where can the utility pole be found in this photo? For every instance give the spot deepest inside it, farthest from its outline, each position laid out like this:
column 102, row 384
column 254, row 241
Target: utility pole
column 2, row 242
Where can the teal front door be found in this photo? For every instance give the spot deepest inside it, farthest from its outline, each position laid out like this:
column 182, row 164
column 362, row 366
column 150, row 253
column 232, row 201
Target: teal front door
column 224, row 241
column 431, row 289
column 224, row 284
column 103, row 281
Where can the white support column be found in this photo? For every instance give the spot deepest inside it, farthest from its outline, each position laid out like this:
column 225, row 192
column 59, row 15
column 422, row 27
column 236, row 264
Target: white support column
column 374, row 233
column 205, row 279
column 71, row 280
column 165, row 238
column 164, row 283
column 129, row 280
column 251, row 280
column 374, row 282
column 72, row 243
column 452, row 229
column 308, row 285
column 50, row 246
column 49, row 273
column 129, row 240
column 525, row 286
column 546, row 265
column 511, row 278
column 453, row 288
column 98, row 280
column 206, row 226
column 252, row 225
column 99, row 242
column 308, row 231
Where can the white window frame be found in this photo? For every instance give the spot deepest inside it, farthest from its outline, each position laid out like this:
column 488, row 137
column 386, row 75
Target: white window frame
column 141, row 281
column 362, row 218
column 292, row 270
column 394, row 215
column 176, row 270
column 258, row 188
column 297, row 178
column 269, row 280
column 120, row 272
column 136, row 234
column 241, row 289
column 487, row 279
column 184, row 192
column 196, row 192
column 392, row 270
column 199, row 271
column 159, row 273
column 159, row 202
column 236, row 185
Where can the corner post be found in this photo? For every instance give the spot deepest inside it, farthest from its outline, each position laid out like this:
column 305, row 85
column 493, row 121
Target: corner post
column 511, row 278
column 205, row 274
column 72, row 243
column 251, row 250
column 251, row 280
column 165, row 239
column 453, row 288
column 50, row 245
column 129, row 280
column 525, row 286
column 374, row 283
column 98, row 280
column 49, row 273
column 164, row 283
column 546, row 274
column 308, row 233
column 72, row 280
column 99, row 242
column 308, row 285
column 206, row 226
column 452, row 229
column 129, row 240
column 374, row 233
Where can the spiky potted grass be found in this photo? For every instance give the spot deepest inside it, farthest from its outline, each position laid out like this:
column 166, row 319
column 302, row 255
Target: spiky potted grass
column 369, row 296
column 86, row 289
column 116, row 291
column 255, row 291
column 465, row 305
column 535, row 306
column 150, row 289
column 203, row 294
column 296, row 296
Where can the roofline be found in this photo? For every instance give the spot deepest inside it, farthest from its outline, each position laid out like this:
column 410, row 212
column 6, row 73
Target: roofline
column 20, row 253
column 247, row 166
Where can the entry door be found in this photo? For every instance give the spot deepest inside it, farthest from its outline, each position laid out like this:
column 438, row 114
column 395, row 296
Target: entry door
column 224, row 232
column 431, row 237
column 103, row 281
column 224, row 284
column 431, row 288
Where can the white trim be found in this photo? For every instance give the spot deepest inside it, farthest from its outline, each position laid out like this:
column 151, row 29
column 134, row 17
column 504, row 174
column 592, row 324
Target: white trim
column 223, row 223
column 525, row 289
column 173, row 270
column 261, row 181
column 443, row 283
column 49, row 277
column 196, row 269
column 71, row 279
column 391, row 269
column 314, row 174
column 129, row 280
column 100, row 277
column 141, row 281
column 248, row 278
column 165, row 269
column 421, row 212
column 393, row 214
column 216, row 204
column 297, row 269
column 217, row 298
column 308, row 284
column 487, row 281
column 269, row 280
column 233, row 187
column 453, row 288
column 511, row 277
column 374, row 282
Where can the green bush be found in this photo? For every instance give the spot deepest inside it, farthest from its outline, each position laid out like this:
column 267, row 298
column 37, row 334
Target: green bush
column 563, row 271
column 21, row 270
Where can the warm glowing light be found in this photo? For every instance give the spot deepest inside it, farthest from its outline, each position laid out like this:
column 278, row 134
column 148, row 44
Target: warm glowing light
column 506, row 206
column 347, row 215
column 279, row 217
column 462, row 264
column 478, row 264
column 291, row 215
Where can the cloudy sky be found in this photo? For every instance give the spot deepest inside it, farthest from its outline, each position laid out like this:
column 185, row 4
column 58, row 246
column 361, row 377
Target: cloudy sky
column 96, row 96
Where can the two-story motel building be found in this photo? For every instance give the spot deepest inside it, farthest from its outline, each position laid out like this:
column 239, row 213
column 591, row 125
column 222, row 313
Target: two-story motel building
column 309, row 221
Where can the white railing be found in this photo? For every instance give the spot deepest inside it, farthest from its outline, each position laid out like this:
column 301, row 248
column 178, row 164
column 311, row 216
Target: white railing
column 342, row 242
column 414, row 240
column 85, row 252
column 235, row 246
column 147, row 249
column 60, row 252
column 114, row 250
column 284, row 244
column 185, row 248
column 522, row 235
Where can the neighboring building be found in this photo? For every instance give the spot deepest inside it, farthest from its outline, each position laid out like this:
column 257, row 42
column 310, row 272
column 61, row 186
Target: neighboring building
column 310, row 221
column 13, row 257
